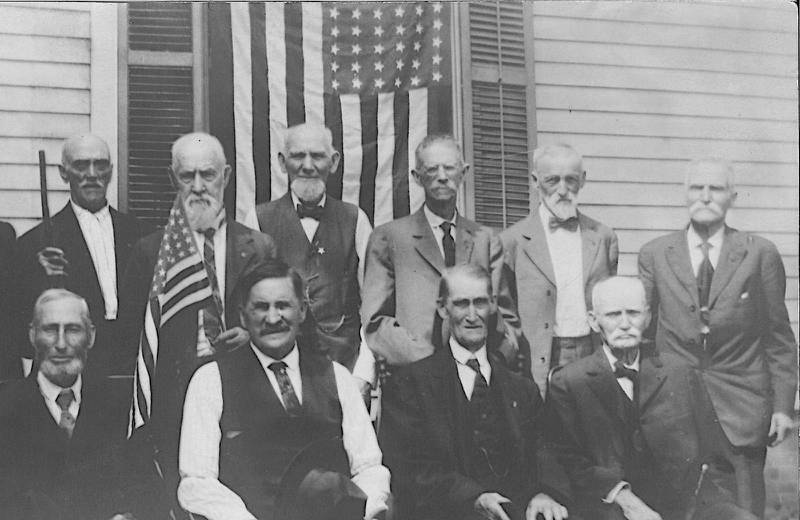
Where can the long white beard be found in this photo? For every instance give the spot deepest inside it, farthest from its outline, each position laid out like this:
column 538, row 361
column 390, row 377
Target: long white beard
column 308, row 190
column 563, row 209
column 201, row 211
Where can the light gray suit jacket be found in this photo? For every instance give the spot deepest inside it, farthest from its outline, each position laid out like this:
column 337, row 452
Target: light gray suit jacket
column 401, row 285
column 528, row 259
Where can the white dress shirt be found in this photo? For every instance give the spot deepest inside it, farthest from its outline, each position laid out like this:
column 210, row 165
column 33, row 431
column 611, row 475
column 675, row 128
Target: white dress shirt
column 627, row 386
column 434, row 221
column 696, row 250
column 566, row 257
column 220, row 249
column 98, row 232
column 50, row 392
column 200, row 490
column 465, row 373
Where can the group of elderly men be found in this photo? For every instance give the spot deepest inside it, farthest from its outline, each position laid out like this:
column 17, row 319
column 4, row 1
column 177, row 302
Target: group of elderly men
column 521, row 378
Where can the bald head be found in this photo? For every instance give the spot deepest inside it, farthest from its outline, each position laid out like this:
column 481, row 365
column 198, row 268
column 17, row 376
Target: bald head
column 305, row 132
column 545, row 156
column 197, row 144
column 619, row 311
column 308, row 158
column 86, row 167
column 716, row 165
column 79, row 144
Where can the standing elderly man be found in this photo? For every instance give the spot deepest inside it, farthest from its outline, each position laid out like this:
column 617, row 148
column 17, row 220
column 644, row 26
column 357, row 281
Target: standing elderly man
column 200, row 173
column 405, row 259
column 557, row 254
column 90, row 248
column 250, row 414
column 718, row 294
column 323, row 238
column 627, row 425
column 61, row 429
column 460, row 431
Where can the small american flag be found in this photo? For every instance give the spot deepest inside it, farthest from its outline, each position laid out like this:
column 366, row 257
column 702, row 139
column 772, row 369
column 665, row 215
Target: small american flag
column 180, row 279
column 378, row 74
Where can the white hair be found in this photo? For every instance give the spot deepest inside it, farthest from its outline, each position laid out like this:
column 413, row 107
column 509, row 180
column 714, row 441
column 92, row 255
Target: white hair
column 726, row 165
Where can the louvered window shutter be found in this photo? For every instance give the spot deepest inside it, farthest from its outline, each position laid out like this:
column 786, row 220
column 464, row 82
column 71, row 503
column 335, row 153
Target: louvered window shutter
column 160, row 101
column 500, row 100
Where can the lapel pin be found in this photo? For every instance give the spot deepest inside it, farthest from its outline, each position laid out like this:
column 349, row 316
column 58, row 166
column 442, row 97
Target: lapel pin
column 321, row 250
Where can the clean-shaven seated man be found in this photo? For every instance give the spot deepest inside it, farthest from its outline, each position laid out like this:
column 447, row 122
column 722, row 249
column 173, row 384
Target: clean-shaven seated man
column 718, row 294
column 628, row 427
column 461, row 433
column 556, row 255
column 248, row 414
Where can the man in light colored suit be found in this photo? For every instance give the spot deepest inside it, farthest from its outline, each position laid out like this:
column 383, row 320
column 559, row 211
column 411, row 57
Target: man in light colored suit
column 719, row 298
column 557, row 254
column 405, row 259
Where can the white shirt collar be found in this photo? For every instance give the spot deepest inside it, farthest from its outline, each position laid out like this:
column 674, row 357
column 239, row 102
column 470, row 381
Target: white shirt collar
column 695, row 241
column 462, row 355
column 612, row 359
column 296, row 200
column 292, row 359
column 434, row 220
column 82, row 213
column 51, row 390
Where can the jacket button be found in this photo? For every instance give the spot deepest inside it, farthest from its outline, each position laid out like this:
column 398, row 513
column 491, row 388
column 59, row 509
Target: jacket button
column 692, row 308
column 541, row 360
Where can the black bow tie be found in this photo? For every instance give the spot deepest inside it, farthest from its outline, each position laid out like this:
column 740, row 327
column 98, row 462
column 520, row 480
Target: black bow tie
column 570, row 224
column 304, row 211
column 621, row 370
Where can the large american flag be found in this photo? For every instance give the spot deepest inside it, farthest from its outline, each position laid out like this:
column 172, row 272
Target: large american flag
column 180, row 280
column 377, row 74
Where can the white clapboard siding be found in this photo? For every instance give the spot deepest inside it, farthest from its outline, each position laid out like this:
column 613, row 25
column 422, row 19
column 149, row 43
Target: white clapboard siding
column 44, row 97
column 639, row 88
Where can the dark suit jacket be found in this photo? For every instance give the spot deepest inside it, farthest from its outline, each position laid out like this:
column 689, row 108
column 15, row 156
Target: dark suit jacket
column 425, row 438
column 10, row 366
column 749, row 366
column 534, row 284
column 401, row 285
column 585, row 424
column 81, row 278
column 45, row 475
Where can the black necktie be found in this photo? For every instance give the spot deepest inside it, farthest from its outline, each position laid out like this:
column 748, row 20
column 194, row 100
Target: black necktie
column 570, row 224
column 704, row 276
column 211, row 319
column 288, row 396
column 304, row 211
column 448, row 244
column 481, row 388
column 67, row 421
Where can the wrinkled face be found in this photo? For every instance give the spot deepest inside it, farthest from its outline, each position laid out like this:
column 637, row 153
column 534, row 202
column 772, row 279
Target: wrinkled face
column 467, row 310
column 200, row 176
column 708, row 195
column 620, row 315
column 308, row 161
column 61, row 339
column 272, row 315
column 560, row 178
column 440, row 172
column 87, row 169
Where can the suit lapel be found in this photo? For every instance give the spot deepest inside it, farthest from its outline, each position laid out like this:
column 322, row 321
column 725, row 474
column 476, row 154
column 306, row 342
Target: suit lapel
column 604, row 385
column 589, row 245
column 536, row 248
column 67, row 231
column 446, row 386
column 44, row 430
column 651, row 378
column 731, row 255
column 677, row 255
column 465, row 239
column 239, row 249
column 425, row 241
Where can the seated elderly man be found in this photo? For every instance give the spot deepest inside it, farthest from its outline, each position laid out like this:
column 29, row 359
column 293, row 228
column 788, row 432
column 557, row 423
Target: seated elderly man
column 627, row 426
column 460, row 431
column 249, row 414
column 60, row 431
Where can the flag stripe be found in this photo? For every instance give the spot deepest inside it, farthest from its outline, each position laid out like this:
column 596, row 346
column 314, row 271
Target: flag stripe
column 276, row 61
column 243, row 109
column 193, row 293
column 260, row 119
column 351, row 147
column 314, row 87
column 295, row 102
column 384, row 211
column 369, row 150
column 181, row 270
column 417, row 130
column 400, row 160
column 333, row 119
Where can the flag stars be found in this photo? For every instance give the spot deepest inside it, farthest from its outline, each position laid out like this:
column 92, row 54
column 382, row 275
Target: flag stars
column 437, row 42
column 418, row 10
column 437, row 76
column 437, row 7
column 400, row 46
column 379, row 83
column 378, row 30
column 415, row 64
column 356, row 31
column 377, row 13
column 355, row 67
column 356, row 83
column 334, row 49
column 378, row 66
column 399, row 11
column 334, row 31
column 437, row 24
column 437, row 59
column 414, row 81
column 399, row 64
column 417, row 46
column 418, row 28
column 397, row 82
column 400, row 30
column 335, row 85
column 356, row 49
column 334, row 13
column 334, row 66
column 356, row 14
column 379, row 49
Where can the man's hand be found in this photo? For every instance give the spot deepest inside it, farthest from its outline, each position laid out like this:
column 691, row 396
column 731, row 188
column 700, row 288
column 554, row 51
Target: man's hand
column 633, row 508
column 489, row 505
column 53, row 261
column 365, row 389
column 547, row 507
column 124, row 516
column 779, row 428
column 231, row 339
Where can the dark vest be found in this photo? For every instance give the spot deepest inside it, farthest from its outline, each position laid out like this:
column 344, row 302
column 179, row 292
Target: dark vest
column 259, row 439
column 329, row 266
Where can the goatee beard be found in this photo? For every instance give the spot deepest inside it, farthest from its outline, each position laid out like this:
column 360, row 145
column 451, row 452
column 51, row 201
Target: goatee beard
column 562, row 210
column 308, row 190
column 201, row 215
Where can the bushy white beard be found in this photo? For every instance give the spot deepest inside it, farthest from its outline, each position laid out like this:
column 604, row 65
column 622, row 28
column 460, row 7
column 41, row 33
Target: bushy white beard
column 202, row 211
column 561, row 208
column 308, row 190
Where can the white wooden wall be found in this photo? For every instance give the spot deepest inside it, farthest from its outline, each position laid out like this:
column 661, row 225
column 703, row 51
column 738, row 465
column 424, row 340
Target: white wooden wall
column 641, row 87
column 57, row 69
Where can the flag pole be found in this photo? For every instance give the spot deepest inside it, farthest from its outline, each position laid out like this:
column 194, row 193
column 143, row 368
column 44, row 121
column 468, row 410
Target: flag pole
column 457, row 91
